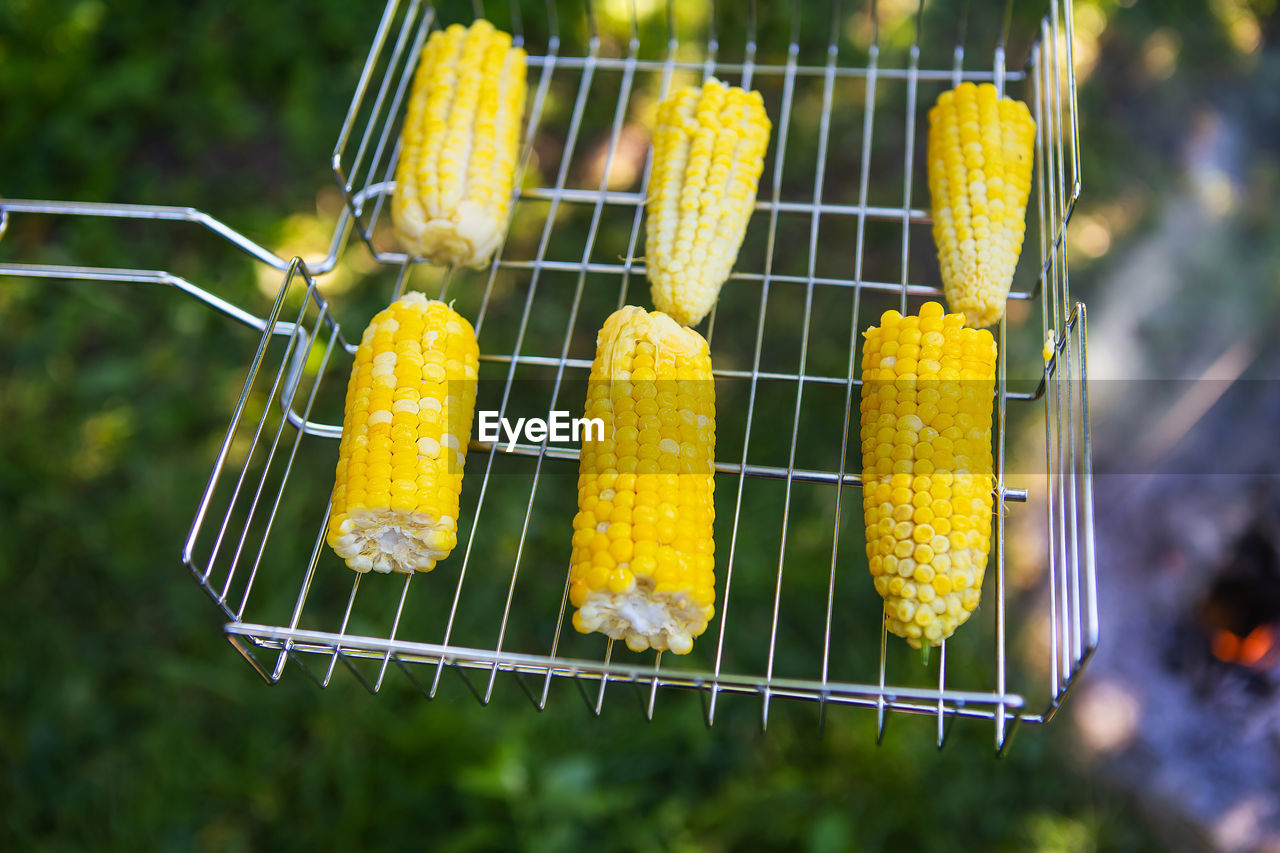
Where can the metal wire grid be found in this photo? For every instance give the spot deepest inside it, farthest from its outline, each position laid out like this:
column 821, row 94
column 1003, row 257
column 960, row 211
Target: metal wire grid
column 234, row 523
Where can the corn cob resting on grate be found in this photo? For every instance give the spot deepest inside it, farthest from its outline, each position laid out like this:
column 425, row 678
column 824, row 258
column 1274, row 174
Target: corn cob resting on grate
column 980, row 150
column 405, row 429
column 708, row 152
column 643, row 562
column 926, row 467
column 459, row 145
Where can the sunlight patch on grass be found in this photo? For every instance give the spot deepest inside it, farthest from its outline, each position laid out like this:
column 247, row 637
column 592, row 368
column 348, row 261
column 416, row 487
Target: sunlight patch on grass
column 1090, row 24
column 1160, row 53
column 308, row 235
column 1053, row 833
column 1089, row 235
column 1240, row 24
column 103, row 436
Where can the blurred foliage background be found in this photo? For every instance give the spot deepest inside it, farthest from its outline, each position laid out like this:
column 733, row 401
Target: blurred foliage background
column 128, row 722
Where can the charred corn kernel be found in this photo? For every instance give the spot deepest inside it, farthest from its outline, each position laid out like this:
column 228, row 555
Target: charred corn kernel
column 410, row 402
column 645, row 491
column 928, row 509
column 459, row 145
column 980, row 150
column 708, row 152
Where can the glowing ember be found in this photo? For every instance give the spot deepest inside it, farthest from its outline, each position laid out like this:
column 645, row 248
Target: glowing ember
column 1254, row 650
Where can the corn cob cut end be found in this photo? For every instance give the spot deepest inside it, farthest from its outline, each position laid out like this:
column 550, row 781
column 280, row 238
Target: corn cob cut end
column 468, row 237
column 459, row 145
column 979, row 163
column 708, row 153
column 409, row 407
column 643, row 563
column 927, row 468
column 645, row 619
column 386, row 540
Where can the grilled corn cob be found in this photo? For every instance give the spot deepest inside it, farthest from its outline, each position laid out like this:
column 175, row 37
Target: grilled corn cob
column 708, row 151
column 643, row 563
column 409, row 407
column 459, row 145
column 927, row 388
column 980, row 149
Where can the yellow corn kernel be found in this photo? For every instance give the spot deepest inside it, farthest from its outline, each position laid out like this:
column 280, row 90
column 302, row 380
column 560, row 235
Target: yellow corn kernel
column 927, row 469
column 459, row 145
column 643, row 565
column 980, row 150
column 410, row 401
column 708, row 152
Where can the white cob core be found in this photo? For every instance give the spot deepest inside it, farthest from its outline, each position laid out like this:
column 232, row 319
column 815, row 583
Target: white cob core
column 383, row 540
column 645, row 619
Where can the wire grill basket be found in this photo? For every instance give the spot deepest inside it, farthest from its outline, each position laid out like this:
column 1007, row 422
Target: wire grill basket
column 823, row 258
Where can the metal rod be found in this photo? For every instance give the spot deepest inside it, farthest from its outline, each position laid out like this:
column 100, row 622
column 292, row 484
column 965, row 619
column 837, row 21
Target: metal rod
column 517, row 24
column 354, row 205
column 730, row 69
column 109, row 274
column 957, row 76
column 909, row 154
column 288, row 469
column 1072, row 101
column 377, row 103
column 157, row 212
column 366, row 73
column 304, row 590
column 599, row 703
column 253, row 444
column 288, row 393
column 942, row 688
column 779, row 158
column 749, row 52
column 1054, row 134
column 346, row 618
column 623, row 198
column 919, row 700
column 882, row 698
column 533, row 123
column 824, row 130
column 633, row 48
column 1001, row 589
column 395, row 626
column 1048, row 330
column 575, row 124
column 535, row 120
column 224, row 450
column 864, row 174
column 1070, row 501
column 1090, row 566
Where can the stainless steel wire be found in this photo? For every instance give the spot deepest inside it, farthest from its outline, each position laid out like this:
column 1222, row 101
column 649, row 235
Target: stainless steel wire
column 784, row 125
column 824, row 127
column 235, row 542
column 575, row 124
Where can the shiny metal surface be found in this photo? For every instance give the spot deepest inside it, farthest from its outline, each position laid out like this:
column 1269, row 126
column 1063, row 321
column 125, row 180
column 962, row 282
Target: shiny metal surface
column 237, row 532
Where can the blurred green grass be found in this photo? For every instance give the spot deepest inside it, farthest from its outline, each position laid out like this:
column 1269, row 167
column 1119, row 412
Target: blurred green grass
column 129, row 722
